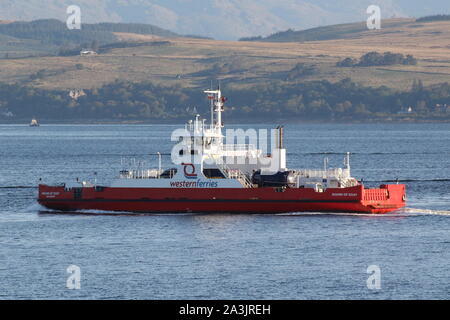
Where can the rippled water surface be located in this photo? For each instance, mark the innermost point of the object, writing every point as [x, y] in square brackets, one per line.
[295, 256]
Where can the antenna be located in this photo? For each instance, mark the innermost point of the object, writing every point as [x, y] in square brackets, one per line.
[212, 109]
[217, 102]
[159, 164]
[347, 162]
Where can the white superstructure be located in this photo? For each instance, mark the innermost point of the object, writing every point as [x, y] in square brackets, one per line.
[201, 155]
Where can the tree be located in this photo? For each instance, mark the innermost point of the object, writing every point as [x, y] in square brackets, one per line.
[410, 60]
[347, 62]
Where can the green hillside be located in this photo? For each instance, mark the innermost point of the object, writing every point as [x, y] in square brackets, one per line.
[48, 37]
[340, 31]
[370, 75]
[11, 47]
[56, 32]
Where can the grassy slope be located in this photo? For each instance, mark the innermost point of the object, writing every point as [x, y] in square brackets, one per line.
[340, 31]
[246, 63]
[14, 47]
[19, 39]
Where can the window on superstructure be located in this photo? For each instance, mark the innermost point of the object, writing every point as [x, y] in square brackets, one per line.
[213, 173]
[168, 174]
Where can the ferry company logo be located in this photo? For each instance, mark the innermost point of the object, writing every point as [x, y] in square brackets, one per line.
[195, 182]
[189, 171]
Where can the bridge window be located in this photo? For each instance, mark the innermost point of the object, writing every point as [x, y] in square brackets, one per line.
[213, 173]
[168, 174]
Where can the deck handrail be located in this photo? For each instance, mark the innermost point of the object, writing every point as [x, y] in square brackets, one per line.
[233, 173]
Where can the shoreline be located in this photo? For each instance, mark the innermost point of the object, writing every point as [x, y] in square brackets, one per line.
[230, 122]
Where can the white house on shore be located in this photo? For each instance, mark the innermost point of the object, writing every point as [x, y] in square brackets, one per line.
[408, 110]
[76, 93]
[88, 53]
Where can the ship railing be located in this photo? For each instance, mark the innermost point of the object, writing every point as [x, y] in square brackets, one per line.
[339, 174]
[239, 151]
[202, 128]
[351, 182]
[140, 174]
[240, 176]
[238, 147]
[330, 173]
[233, 173]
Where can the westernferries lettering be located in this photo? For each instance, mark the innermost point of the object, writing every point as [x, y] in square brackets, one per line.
[194, 184]
[191, 174]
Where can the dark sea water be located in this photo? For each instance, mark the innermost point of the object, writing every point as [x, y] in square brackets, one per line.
[300, 256]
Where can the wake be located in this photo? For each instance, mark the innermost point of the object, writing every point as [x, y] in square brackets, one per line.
[418, 211]
[405, 212]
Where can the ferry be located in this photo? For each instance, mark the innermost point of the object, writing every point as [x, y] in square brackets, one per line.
[210, 175]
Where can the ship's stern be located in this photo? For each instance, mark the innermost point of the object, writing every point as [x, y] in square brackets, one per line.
[385, 199]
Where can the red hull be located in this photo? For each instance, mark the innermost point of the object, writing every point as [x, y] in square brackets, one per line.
[385, 199]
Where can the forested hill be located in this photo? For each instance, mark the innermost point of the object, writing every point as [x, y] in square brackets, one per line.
[345, 31]
[55, 32]
[396, 73]
[340, 31]
[146, 102]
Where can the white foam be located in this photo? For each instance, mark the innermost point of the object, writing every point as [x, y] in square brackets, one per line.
[405, 212]
[104, 212]
[356, 214]
[418, 211]
[36, 207]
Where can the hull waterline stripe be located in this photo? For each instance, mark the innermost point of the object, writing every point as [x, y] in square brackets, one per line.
[200, 200]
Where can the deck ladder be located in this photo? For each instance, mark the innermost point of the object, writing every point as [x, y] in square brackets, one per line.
[233, 173]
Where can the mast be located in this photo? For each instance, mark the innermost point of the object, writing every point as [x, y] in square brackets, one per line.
[211, 99]
[347, 163]
[216, 108]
